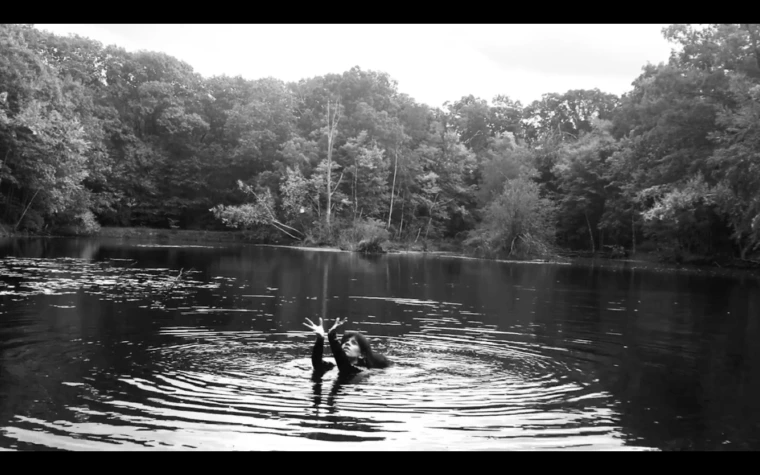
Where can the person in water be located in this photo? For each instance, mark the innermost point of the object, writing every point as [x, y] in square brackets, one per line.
[351, 354]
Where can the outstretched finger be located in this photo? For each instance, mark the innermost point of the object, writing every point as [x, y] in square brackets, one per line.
[310, 322]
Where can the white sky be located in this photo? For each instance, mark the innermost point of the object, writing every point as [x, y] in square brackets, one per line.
[432, 63]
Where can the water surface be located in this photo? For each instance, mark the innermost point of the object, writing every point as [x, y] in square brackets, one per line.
[125, 346]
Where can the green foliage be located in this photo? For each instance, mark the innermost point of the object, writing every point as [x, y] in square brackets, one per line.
[320, 234]
[737, 164]
[581, 171]
[366, 235]
[32, 222]
[621, 219]
[518, 223]
[79, 224]
[368, 175]
[88, 223]
[471, 118]
[681, 218]
[718, 47]
[248, 215]
[91, 133]
[296, 193]
[42, 139]
[566, 116]
[504, 160]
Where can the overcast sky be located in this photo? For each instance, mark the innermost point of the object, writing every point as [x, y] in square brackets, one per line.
[432, 63]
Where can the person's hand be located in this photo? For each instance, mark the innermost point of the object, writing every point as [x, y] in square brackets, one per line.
[338, 322]
[318, 329]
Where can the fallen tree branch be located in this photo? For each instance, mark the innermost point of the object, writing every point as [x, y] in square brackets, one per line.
[275, 225]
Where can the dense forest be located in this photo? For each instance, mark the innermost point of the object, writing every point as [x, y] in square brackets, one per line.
[93, 135]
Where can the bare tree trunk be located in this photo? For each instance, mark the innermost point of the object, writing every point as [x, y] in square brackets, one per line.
[401, 226]
[746, 249]
[427, 229]
[590, 232]
[27, 209]
[319, 206]
[332, 125]
[2, 165]
[329, 164]
[277, 225]
[356, 202]
[8, 199]
[393, 187]
[633, 235]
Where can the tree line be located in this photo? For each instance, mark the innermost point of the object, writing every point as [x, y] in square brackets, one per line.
[94, 135]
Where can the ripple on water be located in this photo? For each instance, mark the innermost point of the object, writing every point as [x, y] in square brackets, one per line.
[455, 384]
[220, 390]
[113, 279]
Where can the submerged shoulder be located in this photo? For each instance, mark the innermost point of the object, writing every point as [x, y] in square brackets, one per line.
[326, 366]
[351, 370]
[379, 362]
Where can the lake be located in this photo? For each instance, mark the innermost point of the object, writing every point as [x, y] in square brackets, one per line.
[118, 345]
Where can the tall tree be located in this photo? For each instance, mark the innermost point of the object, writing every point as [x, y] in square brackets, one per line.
[737, 164]
[470, 117]
[567, 115]
[582, 180]
[717, 47]
[43, 145]
[333, 117]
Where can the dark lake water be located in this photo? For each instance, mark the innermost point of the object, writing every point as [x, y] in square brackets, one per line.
[104, 345]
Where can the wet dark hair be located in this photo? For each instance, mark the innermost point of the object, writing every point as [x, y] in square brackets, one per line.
[373, 360]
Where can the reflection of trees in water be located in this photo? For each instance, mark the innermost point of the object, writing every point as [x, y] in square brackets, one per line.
[90, 249]
[36, 360]
[30, 248]
[706, 393]
[86, 340]
[675, 351]
[683, 346]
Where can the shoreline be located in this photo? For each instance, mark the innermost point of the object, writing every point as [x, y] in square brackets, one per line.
[176, 237]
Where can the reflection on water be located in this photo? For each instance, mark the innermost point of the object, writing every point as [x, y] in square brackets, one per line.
[106, 345]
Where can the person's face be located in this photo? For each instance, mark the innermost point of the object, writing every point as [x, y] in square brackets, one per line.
[351, 347]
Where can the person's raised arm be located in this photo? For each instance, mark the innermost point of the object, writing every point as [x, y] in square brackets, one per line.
[316, 353]
[340, 356]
